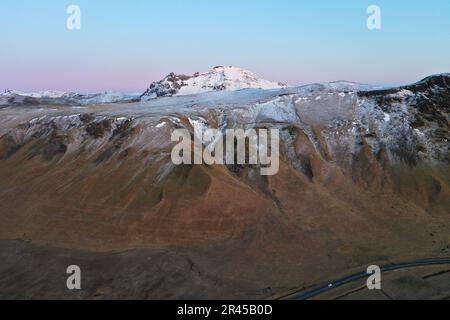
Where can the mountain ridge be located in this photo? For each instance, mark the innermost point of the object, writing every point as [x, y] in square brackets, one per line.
[216, 80]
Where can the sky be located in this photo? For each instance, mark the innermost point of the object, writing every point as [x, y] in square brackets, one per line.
[125, 45]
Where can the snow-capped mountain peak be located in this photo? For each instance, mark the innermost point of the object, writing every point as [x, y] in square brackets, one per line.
[220, 78]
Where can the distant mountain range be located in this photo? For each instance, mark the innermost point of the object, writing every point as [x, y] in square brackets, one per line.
[15, 98]
[220, 78]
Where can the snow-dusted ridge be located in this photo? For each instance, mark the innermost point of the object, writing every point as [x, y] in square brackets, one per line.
[51, 97]
[41, 94]
[409, 122]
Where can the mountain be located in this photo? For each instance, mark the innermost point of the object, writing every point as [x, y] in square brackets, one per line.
[18, 98]
[363, 180]
[218, 79]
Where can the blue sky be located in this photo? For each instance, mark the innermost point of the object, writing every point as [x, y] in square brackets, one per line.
[124, 45]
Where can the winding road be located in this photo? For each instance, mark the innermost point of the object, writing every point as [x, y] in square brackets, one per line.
[312, 293]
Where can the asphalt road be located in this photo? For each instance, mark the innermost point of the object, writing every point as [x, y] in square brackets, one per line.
[312, 293]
